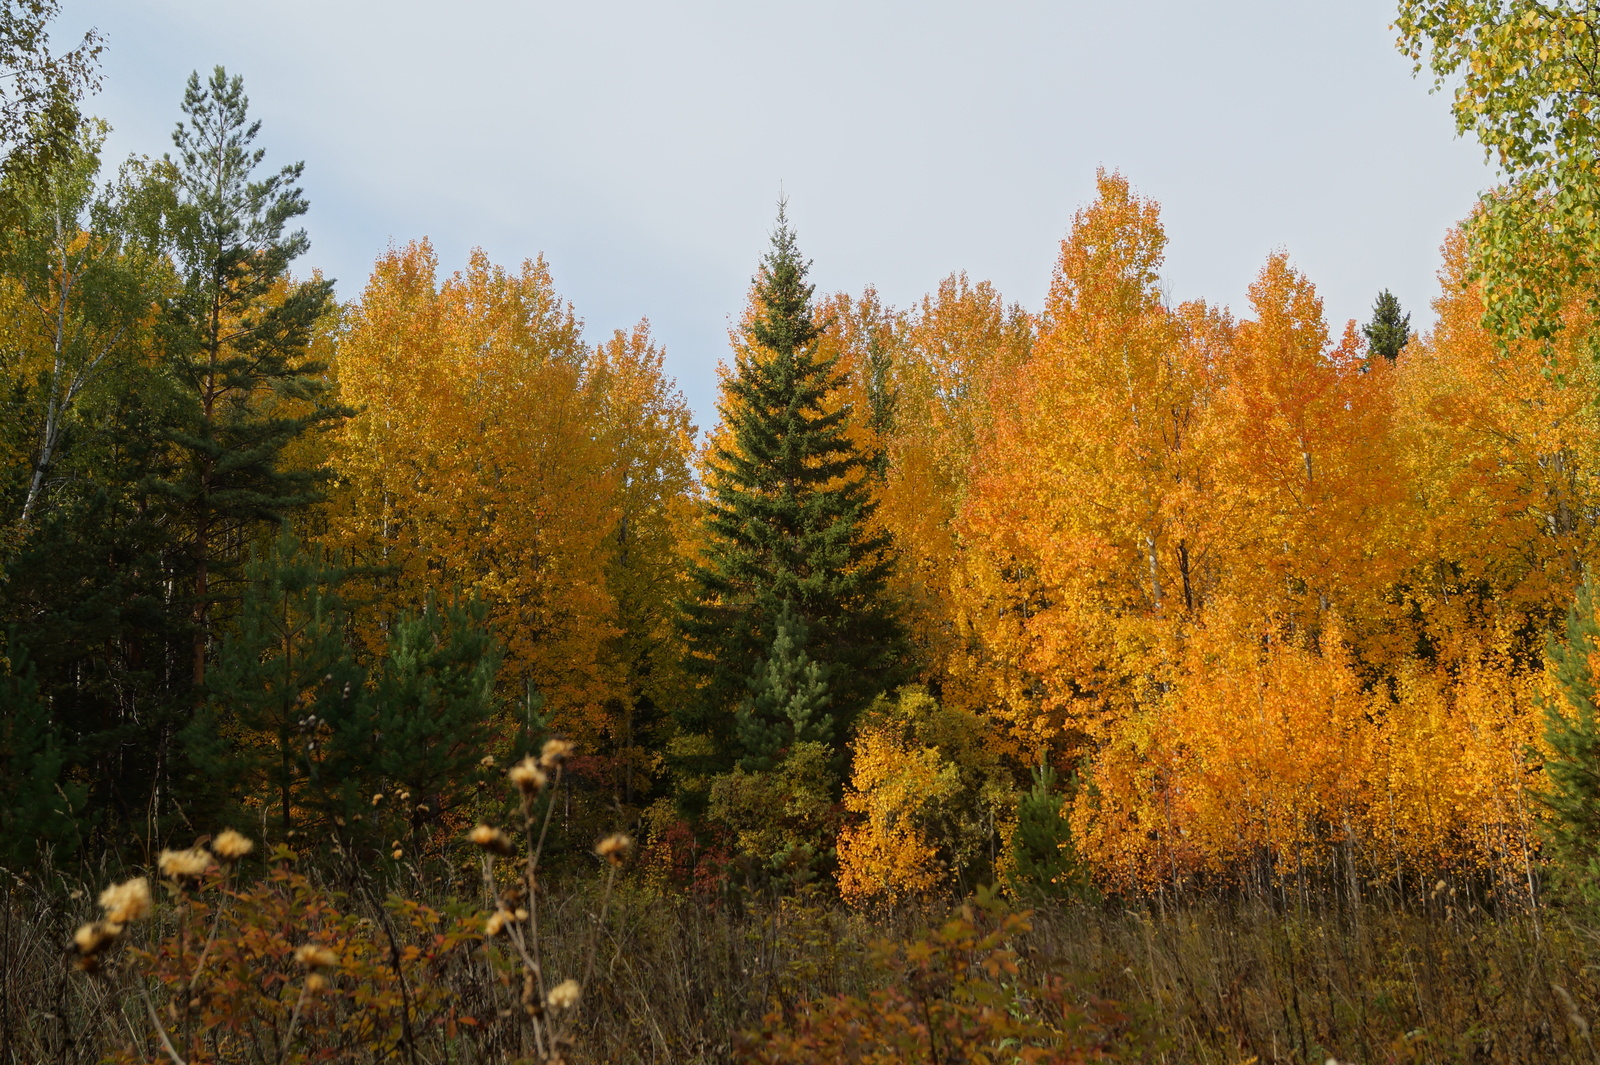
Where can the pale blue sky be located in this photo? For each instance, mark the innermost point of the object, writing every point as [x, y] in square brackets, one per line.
[640, 145]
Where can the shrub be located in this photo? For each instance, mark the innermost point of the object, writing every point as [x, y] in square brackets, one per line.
[955, 993]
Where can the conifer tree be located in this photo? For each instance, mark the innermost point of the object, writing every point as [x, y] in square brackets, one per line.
[39, 803]
[1045, 862]
[788, 698]
[787, 526]
[236, 335]
[1389, 330]
[286, 666]
[1572, 771]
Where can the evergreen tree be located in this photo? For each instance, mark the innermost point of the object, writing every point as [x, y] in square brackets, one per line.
[786, 526]
[433, 701]
[1389, 330]
[1045, 863]
[90, 555]
[788, 698]
[236, 335]
[301, 723]
[39, 805]
[1572, 772]
[284, 677]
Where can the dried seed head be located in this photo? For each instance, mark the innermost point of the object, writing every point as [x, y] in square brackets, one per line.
[487, 761]
[492, 840]
[315, 956]
[188, 864]
[527, 776]
[91, 939]
[564, 995]
[555, 752]
[230, 846]
[496, 923]
[127, 901]
[614, 848]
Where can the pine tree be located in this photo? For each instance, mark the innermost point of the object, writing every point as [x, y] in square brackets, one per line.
[787, 523]
[433, 700]
[1389, 330]
[285, 666]
[236, 334]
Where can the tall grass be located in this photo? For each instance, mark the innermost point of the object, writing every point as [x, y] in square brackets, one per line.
[677, 979]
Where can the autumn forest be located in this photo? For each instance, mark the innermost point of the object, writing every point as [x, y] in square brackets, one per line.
[410, 679]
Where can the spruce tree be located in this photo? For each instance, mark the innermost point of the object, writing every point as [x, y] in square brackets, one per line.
[237, 333]
[786, 529]
[1572, 771]
[788, 698]
[1389, 329]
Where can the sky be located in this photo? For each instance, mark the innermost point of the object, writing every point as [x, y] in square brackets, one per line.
[641, 145]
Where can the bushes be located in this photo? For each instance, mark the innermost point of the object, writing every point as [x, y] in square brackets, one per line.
[931, 799]
[954, 993]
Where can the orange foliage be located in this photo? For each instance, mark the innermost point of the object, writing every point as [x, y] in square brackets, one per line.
[496, 454]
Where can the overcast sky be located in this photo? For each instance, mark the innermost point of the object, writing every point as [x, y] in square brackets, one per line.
[640, 146]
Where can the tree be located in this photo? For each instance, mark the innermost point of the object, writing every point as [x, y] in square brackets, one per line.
[84, 284]
[285, 666]
[494, 454]
[1525, 75]
[788, 698]
[39, 804]
[236, 335]
[432, 703]
[1045, 862]
[1572, 767]
[787, 519]
[38, 102]
[1389, 331]
[304, 723]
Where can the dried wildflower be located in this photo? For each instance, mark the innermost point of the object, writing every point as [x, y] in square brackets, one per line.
[555, 752]
[127, 901]
[487, 761]
[316, 982]
[496, 923]
[230, 846]
[315, 956]
[564, 995]
[614, 848]
[188, 864]
[527, 776]
[91, 939]
[492, 840]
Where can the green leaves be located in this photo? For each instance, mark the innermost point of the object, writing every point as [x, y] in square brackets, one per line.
[1524, 78]
[787, 523]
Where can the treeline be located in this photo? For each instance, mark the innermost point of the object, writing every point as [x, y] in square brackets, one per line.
[1127, 594]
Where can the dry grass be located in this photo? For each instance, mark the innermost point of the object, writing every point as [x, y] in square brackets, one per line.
[676, 979]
